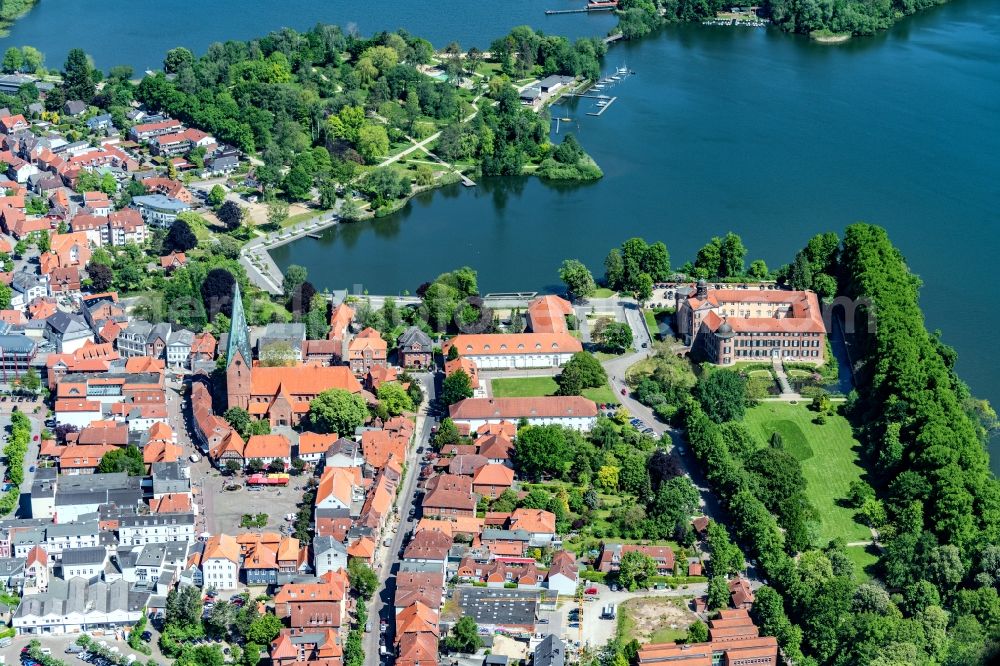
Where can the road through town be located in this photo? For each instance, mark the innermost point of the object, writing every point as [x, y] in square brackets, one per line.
[381, 607]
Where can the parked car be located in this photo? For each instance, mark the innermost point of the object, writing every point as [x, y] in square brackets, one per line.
[590, 590]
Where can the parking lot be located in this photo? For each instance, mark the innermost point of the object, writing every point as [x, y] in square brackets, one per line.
[58, 644]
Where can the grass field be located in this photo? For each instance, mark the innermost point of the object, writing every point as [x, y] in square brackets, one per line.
[526, 387]
[864, 558]
[603, 292]
[829, 458]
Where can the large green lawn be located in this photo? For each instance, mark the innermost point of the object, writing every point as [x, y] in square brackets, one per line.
[526, 387]
[829, 458]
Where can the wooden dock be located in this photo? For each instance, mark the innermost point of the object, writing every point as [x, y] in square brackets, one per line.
[585, 10]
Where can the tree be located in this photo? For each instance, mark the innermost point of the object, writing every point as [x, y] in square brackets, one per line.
[373, 141]
[294, 276]
[176, 59]
[394, 398]
[184, 606]
[614, 268]
[217, 292]
[6, 294]
[697, 632]
[216, 196]
[542, 450]
[127, 460]
[13, 60]
[231, 467]
[230, 214]
[264, 629]
[179, 238]
[277, 212]
[643, 288]
[239, 419]
[447, 433]
[78, 79]
[635, 569]
[723, 395]
[456, 386]
[801, 276]
[578, 279]
[364, 582]
[718, 593]
[464, 636]
[255, 465]
[582, 371]
[616, 337]
[337, 411]
[758, 270]
[298, 183]
[101, 276]
[33, 59]
[731, 255]
[30, 381]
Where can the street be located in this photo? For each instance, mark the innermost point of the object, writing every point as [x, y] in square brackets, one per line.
[381, 607]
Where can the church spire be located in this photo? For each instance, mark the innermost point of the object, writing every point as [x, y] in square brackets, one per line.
[239, 332]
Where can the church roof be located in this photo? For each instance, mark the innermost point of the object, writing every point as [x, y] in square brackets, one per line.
[239, 332]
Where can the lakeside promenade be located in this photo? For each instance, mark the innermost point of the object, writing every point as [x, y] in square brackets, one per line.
[256, 256]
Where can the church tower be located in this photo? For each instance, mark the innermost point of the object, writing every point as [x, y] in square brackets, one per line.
[239, 359]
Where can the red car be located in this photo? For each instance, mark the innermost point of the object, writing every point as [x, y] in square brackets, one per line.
[624, 392]
[590, 590]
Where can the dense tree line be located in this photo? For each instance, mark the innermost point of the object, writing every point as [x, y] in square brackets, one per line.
[924, 440]
[859, 17]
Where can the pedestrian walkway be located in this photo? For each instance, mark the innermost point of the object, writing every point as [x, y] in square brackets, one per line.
[786, 389]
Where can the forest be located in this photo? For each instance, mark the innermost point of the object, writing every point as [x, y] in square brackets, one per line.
[852, 17]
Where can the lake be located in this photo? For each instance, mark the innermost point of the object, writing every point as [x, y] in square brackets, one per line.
[115, 32]
[754, 131]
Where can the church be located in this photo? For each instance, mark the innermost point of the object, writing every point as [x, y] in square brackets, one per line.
[279, 394]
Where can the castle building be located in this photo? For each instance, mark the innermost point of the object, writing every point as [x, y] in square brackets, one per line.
[734, 325]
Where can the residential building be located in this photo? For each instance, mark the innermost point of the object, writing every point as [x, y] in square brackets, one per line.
[158, 210]
[67, 332]
[448, 496]
[268, 449]
[139, 530]
[328, 555]
[757, 324]
[366, 351]
[220, 562]
[611, 554]
[563, 575]
[179, 348]
[86, 563]
[568, 411]
[415, 349]
[313, 605]
[142, 338]
[314, 446]
[491, 480]
[551, 651]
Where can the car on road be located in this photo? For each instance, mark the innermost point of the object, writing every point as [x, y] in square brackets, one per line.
[147, 636]
[624, 392]
[31, 469]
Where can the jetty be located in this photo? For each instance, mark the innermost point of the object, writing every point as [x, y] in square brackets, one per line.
[598, 6]
[603, 104]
